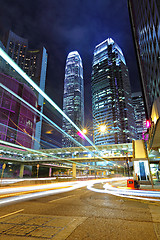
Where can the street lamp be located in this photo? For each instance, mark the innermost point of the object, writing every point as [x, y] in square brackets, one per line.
[80, 134]
[84, 131]
[102, 128]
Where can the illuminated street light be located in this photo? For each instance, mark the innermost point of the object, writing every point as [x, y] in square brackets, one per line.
[102, 128]
[84, 131]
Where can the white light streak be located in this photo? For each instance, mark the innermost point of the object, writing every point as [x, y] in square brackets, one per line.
[4, 55]
[133, 194]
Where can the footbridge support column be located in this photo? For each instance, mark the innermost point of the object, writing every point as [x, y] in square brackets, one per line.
[21, 170]
[141, 162]
[74, 170]
[50, 172]
[95, 171]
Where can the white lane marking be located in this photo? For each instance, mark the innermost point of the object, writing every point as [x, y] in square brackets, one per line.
[61, 198]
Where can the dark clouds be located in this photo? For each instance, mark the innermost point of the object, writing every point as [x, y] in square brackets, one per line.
[66, 25]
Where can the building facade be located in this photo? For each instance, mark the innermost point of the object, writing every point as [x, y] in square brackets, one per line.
[139, 112]
[145, 21]
[34, 63]
[113, 114]
[17, 121]
[73, 98]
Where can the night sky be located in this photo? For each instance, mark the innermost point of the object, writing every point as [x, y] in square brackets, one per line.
[62, 26]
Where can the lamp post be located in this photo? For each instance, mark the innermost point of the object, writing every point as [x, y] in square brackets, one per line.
[102, 128]
[84, 131]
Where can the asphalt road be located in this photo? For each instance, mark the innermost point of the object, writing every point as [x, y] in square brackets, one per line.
[81, 215]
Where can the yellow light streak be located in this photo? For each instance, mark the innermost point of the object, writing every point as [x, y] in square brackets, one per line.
[31, 191]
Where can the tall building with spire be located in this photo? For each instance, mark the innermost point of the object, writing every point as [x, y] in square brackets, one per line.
[73, 98]
[113, 114]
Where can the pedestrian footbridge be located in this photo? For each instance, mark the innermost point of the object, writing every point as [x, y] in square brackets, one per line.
[100, 157]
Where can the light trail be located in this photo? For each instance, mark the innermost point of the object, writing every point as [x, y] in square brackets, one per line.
[30, 191]
[42, 161]
[132, 194]
[38, 191]
[18, 129]
[42, 192]
[35, 187]
[45, 117]
[51, 185]
[10, 200]
[5, 56]
[53, 124]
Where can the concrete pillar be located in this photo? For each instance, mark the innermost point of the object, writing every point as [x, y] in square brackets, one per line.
[141, 162]
[95, 169]
[74, 170]
[21, 170]
[50, 172]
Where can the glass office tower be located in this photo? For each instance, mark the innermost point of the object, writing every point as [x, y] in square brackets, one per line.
[145, 21]
[34, 63]
[139, 112]
[17, 121]
[73, 98]
[113, 114]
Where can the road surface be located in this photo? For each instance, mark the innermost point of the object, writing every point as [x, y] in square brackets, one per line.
[81, 214]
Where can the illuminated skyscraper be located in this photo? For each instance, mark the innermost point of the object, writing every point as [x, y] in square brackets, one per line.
[73, 98]
[145, 21]
[34, 63]
[113, 114]
[17, 121]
